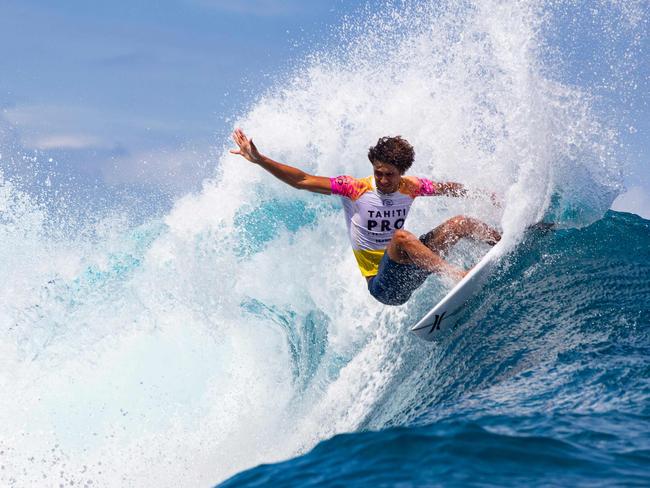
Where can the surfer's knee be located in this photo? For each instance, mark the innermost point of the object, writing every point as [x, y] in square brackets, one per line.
[459, 223]
[402, 238]
[464, 226]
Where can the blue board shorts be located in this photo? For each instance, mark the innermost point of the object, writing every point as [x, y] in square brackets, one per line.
[394, 283]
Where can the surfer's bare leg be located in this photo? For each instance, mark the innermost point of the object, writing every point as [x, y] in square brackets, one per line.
[443, 237]
[406, 248]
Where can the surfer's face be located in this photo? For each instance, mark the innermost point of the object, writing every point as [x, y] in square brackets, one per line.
[387, 177]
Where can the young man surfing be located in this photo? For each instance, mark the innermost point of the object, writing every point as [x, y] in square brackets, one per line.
[393, 261]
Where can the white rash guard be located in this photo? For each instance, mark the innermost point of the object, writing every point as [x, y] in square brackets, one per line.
[372, 217]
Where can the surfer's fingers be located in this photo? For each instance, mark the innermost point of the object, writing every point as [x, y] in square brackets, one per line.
[241, 134]
[241, 141]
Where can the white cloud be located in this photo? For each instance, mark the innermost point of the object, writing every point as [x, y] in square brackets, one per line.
[65, 141]
[124, 149]
[636, 200]
[51, 126]
[45, 116]
[57, 126]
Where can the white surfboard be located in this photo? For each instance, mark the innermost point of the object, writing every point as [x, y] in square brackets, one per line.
[443, 316]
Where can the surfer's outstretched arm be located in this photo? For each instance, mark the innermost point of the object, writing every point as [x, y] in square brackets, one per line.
[288, 174]
[450, 189]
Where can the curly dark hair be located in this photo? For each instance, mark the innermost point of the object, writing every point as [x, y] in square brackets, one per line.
[393, 150]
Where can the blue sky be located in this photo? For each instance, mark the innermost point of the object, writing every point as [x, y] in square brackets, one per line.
[105, 86]
[139, 92]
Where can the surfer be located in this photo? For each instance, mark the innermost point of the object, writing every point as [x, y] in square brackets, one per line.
[394, 261]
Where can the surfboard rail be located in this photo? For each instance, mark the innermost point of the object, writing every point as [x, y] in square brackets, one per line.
[441, 318]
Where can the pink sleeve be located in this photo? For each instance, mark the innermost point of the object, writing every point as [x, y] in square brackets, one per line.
[425, 188]
[347, 186]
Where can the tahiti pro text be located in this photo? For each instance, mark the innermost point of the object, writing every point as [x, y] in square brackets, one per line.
[386, 220]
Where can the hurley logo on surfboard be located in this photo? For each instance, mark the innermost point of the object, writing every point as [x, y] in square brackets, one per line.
[436, 322]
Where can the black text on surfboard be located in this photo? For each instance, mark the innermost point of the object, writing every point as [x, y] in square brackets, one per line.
[437, 321]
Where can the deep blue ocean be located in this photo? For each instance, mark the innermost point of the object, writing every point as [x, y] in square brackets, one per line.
[546, 382]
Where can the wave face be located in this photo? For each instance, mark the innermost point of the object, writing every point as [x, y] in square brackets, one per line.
[545, 384]
[236, 329]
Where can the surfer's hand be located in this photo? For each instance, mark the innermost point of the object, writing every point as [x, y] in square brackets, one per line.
[246, 147]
